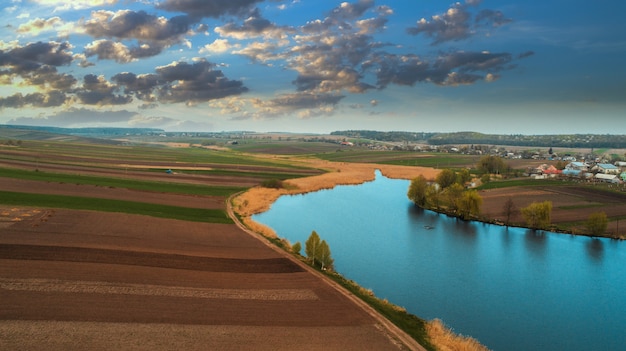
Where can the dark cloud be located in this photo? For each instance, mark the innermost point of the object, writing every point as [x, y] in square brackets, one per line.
[496, 18]
[526, 54]
[255, 25]
[348, 11]
[456, 23]
[453, 68]
[204, 8]
[96, 90]
[36, 63]
[153, 34]
[196, 82]
[308, 104]
[453, 25]
[52, 99]
[142, 86]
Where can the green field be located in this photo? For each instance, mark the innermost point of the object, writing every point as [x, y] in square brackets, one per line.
[107, 205]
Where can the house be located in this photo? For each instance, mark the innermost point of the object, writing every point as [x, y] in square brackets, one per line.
[608, 178]
[606, 168]
[577, 166]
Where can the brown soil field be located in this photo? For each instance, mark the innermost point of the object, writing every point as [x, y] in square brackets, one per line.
[569, 204]
[76, 280]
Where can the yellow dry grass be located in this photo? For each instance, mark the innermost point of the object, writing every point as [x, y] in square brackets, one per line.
[446, 340]
[259, 199]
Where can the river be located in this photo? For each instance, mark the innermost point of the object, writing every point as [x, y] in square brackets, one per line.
[512, 289]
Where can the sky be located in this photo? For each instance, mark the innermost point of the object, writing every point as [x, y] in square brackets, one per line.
[316, 66]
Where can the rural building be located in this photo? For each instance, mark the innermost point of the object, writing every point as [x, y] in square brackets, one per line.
[608, 178]
[577, 166]
[606, 168]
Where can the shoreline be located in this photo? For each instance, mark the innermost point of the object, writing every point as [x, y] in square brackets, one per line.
[259, 199]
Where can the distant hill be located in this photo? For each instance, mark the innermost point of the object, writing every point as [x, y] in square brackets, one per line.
[92, 132]
[555, 140]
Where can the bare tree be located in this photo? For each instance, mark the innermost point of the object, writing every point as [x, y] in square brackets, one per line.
[509, 210]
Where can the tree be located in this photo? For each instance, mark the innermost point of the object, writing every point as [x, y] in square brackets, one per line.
[463, 176]
[509, 210]
[453, 195]
[311, 246]
[418, 190]
[433, 196]
[491, 164]
[323, 256]
[296, 248]
[445, 178]
[538, 214]
[469, 204]
[597, 223]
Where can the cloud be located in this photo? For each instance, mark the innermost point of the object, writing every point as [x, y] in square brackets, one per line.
[218, 46]
[456, 23]
[304, 104]
[64, 5]
[449, 69]
[77, 117]
[39, 25]
[204, 8]
[453, 25]
[52, 99]
[109, 50]
[36, 64]
[496, 18]
[96, 90]
[196, 82]
[153, 34]
[349, 11]
[253, 26]
[526, 54]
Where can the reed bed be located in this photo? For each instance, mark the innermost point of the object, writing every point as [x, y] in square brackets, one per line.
[446, 340]
[259, 199]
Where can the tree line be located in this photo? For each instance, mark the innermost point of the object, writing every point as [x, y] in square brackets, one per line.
[449, 193]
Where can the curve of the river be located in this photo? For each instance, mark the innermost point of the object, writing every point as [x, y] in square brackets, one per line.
[512, 289]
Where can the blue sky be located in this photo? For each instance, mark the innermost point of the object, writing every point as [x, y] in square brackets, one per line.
[509, 67]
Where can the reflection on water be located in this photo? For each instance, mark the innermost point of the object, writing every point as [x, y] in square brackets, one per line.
[595, 249]
[512, 288]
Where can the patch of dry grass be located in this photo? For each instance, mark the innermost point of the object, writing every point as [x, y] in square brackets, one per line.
[259, 199]
[446, 340]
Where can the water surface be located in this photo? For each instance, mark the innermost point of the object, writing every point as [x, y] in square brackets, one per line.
[513, 289]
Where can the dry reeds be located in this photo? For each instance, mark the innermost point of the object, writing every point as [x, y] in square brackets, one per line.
[259, 199]
[446, 340]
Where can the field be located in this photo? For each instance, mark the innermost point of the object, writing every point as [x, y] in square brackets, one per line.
[571, 205]
[100, 248]
[129, 244]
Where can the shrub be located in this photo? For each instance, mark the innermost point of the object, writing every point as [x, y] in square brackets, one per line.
[272, 183]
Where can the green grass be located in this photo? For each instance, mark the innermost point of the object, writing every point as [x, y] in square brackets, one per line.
[107, 205]
[409, 323]
[164, 186]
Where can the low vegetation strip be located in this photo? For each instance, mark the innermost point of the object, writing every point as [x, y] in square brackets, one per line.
[95, 287]
[108, 205]
[121, 183]
[148, 259]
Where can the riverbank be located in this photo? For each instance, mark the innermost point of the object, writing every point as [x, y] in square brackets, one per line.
[259, 199]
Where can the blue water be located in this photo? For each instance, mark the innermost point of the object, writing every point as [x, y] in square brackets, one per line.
[512, 289]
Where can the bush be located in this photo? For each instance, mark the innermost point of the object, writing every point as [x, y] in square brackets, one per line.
[272, 183]
[597, 223]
